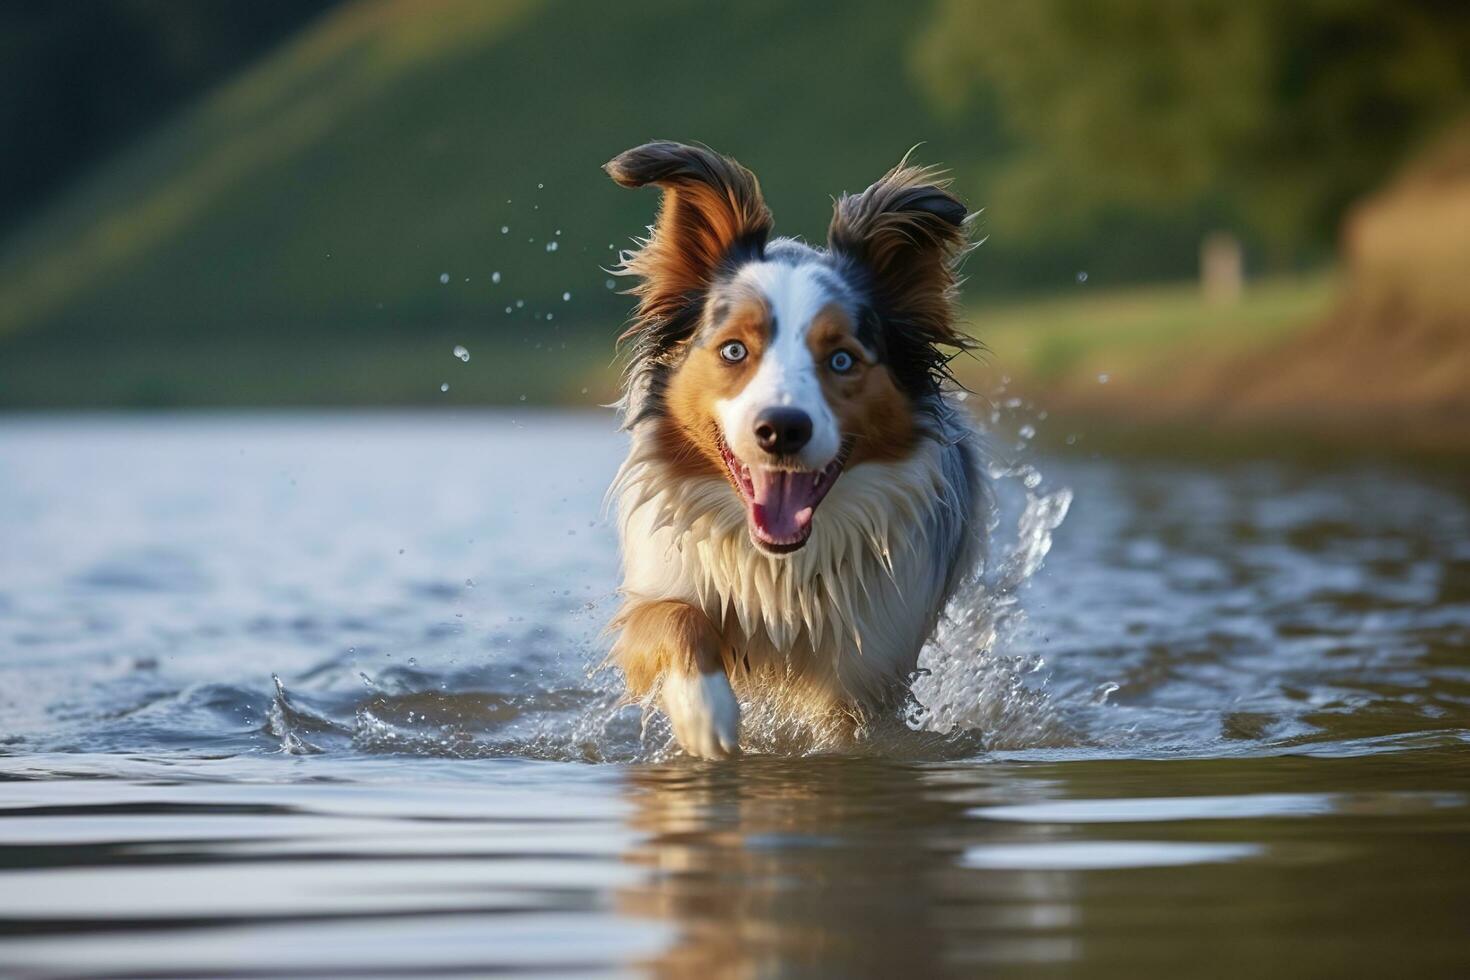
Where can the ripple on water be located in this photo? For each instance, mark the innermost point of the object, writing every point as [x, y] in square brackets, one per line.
[1229, 610]
[1095, 855]
[255, 716]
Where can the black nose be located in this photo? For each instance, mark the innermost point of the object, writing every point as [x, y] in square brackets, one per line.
[783, 430]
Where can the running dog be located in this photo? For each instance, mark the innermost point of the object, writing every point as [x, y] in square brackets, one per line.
[801, 497]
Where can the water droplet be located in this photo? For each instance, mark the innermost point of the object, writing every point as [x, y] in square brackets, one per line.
[443, 278]
[1082, 277]
[444, 386]
[507, 309]
[1028, 432]
[495, 278]
[566, 297]
[558, 233]
[540, 186]
[505, 229]
[548, 316]
[551, 246]
[461, 352]
[413, 662]
[523, 398]
[584, 391]
[1102, 379]
[610, 284]
[520, 303]
[469, 583]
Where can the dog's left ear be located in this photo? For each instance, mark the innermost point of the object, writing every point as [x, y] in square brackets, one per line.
[906, 236]
[712, 210]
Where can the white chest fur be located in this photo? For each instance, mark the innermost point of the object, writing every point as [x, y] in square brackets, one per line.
[849, 612]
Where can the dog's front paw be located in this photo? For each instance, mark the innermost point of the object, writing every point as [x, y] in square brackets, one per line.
[704, 713]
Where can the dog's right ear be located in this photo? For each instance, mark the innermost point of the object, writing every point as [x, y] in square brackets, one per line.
[712, 211]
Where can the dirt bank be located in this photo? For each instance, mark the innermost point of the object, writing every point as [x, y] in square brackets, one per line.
[1387, 364]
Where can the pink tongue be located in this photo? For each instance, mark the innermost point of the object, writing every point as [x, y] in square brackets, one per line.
[782, 508]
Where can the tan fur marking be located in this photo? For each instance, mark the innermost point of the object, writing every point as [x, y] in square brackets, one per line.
[690, 433]
[871, 410]
[709, 203]
[655, 637]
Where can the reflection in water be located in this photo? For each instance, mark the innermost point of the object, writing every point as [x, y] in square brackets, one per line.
[864, 867]
[852, 866]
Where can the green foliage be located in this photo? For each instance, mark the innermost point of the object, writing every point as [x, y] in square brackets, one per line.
[1278, 112]
[327, 189]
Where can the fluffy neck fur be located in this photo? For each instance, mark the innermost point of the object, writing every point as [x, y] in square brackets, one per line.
[889, 543]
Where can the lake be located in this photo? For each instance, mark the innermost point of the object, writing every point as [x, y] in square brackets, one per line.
[316, 694]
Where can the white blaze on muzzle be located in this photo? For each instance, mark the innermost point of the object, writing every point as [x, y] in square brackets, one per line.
[787, 375]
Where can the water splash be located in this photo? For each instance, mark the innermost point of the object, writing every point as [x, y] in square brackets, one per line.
[288, 723]
[975, 680]
[977, 683]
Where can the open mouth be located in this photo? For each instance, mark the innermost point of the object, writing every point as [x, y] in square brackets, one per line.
[779, 503]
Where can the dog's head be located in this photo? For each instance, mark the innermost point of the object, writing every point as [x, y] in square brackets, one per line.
[777, 364]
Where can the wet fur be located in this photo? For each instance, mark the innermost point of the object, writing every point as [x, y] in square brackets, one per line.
[831, 631]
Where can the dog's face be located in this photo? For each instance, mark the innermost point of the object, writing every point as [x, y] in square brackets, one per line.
[778, 366]
[779, 390]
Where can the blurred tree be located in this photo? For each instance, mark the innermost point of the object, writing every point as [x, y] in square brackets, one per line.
[1281, 113]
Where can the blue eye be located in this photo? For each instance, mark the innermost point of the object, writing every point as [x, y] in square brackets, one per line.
[841, 362]
[734, 352]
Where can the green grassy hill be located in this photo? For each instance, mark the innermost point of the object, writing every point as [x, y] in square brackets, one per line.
[284, 241]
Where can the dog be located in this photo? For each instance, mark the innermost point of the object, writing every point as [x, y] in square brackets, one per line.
[801, 496]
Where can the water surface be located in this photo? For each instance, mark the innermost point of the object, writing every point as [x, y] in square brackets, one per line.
[313, 695]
